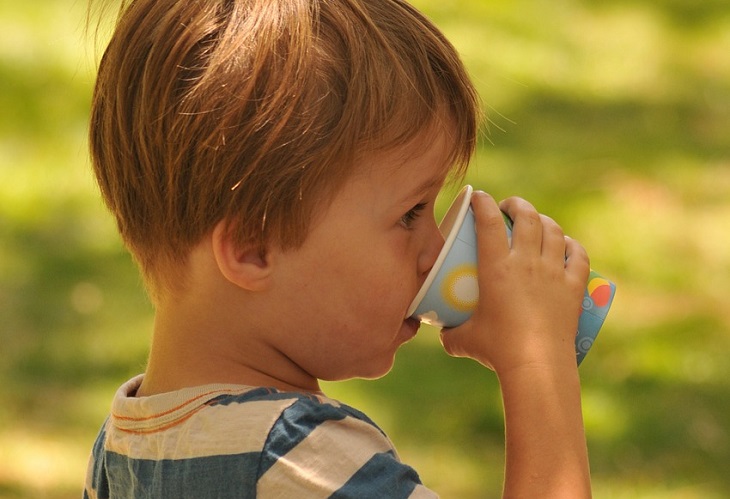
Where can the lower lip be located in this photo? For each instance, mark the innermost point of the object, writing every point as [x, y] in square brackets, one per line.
[412, 325]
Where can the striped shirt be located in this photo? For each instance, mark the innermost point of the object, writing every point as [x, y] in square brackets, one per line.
[232, 441]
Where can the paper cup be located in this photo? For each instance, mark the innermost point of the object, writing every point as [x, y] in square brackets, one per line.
[449, 295]
[450, 292]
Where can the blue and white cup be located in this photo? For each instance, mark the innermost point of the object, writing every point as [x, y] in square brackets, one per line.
[450, 292]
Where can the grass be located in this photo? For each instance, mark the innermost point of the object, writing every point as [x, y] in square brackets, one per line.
[609, 116]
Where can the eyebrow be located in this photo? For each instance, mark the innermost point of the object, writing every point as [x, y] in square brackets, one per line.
[426, 185]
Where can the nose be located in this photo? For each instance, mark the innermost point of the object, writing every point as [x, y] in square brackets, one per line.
[433, 242]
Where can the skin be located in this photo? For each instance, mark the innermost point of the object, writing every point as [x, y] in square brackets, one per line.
[334, 309]
[524, 329]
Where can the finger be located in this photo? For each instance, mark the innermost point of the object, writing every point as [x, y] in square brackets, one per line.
[491, 233]
[577, 262]
[526, 225]
[553, 241]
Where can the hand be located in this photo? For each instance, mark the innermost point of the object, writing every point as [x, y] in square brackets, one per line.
[524, 328]
[529, 293]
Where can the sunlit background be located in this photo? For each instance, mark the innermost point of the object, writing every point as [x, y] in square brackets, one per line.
[611, 116]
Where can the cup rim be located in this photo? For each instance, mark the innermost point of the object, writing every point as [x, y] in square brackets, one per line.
[460, 206]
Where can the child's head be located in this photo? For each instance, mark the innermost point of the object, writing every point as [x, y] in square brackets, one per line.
[254, 112]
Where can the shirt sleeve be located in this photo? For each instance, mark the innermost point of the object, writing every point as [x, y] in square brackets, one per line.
[317, 450]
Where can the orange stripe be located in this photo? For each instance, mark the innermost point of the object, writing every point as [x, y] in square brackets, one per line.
[174, 409]
[161, 428]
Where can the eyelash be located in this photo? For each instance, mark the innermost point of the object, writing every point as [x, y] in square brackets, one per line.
[412, 215]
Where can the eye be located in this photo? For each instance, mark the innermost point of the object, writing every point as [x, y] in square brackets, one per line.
[412, 215]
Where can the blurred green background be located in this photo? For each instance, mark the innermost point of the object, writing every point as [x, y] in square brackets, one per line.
[611, 116]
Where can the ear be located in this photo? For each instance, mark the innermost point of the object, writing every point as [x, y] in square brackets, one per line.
[243, 266]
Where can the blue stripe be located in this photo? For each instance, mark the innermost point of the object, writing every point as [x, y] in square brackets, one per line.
[99, 481]
[294, 425]
[195, 478]
[382, 476]
[257, 395]
[362, 417]
[260, 394]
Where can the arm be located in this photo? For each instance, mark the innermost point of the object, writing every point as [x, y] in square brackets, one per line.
[524, 329]
[546, 452]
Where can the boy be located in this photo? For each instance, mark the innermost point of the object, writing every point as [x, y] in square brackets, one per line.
[273, 166]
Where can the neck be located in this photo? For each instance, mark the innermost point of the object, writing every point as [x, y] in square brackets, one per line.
[198, 340]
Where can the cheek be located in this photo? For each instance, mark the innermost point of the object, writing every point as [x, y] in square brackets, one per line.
[370, 276]
[384, 274]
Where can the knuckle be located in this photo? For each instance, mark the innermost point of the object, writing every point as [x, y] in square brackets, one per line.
[491, 221]
[528, 216]
[551, 226]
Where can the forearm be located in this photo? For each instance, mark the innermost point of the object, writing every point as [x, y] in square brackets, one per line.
[530, 290]
[546, 454]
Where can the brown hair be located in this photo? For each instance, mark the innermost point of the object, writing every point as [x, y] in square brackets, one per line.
[253, 111]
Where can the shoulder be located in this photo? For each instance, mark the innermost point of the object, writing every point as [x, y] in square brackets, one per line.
[314, 423]
[319, 447]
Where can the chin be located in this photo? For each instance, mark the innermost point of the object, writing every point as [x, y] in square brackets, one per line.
[371, 370]
[376, 375]
[378, 371]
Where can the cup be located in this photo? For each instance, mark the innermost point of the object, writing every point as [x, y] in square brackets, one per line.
[450, 292]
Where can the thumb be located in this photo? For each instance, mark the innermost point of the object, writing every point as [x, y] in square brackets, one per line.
[465, 341]
[455, 339]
